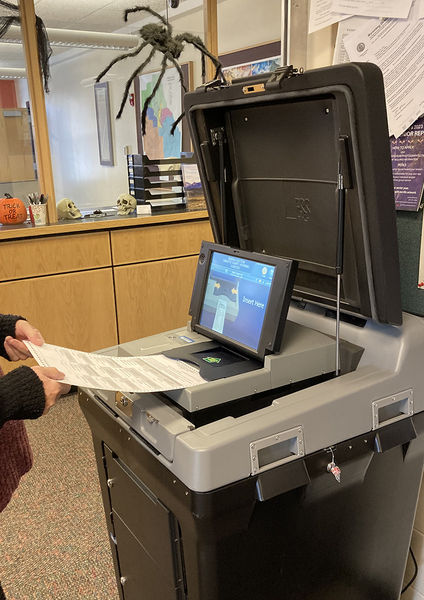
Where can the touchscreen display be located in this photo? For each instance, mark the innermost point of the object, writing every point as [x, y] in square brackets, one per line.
[236, 298]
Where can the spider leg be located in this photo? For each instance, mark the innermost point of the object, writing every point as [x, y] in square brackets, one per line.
[6, 22]
[151, 12]
[9, 5]
[180, 72]
[175, 123]
[131, 79]
[197, 43]
[150, 98]
[121, 57]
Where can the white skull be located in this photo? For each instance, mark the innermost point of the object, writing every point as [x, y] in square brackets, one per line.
[126, 204]
[66, 209]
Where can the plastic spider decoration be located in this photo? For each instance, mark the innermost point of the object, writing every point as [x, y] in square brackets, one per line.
[159, 37]
[9, 15]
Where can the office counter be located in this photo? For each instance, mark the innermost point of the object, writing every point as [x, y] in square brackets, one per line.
[92, 283]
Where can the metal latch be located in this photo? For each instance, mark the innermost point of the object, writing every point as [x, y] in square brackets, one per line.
[124, 404]
[254, 88]
[278, 76]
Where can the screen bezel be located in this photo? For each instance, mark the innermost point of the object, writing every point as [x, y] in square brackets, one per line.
[278, 300]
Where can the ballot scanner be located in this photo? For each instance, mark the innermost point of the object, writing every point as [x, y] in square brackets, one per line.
[293, 472]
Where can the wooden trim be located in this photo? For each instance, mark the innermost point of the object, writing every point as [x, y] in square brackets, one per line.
[210, 21]
[38, 107]
[10, 232]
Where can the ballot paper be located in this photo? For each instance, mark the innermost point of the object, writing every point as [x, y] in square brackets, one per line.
[397, 47]
[153, 373]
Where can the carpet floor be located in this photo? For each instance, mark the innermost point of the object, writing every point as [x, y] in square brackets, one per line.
[53, 538]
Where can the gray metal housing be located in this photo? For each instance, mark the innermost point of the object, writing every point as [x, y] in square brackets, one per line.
[220, 453]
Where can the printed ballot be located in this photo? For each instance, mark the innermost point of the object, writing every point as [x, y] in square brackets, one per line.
[153, 373]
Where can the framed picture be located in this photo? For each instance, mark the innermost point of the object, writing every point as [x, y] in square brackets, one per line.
[104, 127]
[165, 108]
[251, 61]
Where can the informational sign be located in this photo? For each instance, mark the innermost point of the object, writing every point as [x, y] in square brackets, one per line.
[408, 167]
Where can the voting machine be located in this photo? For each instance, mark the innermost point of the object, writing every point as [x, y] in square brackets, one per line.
[294, 471]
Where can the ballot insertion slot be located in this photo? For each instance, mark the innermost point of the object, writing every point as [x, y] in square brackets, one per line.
[277, 449]
[393, 408]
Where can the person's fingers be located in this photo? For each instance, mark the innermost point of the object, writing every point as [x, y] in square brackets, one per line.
[15, 349]
[50, 372]
[26, 331]
[65, 388]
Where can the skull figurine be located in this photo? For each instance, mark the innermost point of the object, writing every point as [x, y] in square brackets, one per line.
[66, 209]
[126, 204]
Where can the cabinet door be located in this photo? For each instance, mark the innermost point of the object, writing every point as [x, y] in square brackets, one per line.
[153, 297]
[76, 310]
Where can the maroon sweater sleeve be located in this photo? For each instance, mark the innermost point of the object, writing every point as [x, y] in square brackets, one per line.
[21, 395]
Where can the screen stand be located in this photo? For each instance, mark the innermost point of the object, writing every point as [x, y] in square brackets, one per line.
[214, 360]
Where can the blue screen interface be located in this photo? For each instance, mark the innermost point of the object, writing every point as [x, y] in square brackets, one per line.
[236, 298]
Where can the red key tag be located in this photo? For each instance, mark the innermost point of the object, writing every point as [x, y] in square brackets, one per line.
[335, 470]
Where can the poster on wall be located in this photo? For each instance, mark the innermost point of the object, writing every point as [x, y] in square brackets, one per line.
[255, 67]
[251, 61]
[165, 107]
[408, 167]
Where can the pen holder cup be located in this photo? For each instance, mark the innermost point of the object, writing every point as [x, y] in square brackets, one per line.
[38, 214]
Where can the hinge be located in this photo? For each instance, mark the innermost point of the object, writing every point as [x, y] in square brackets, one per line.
[278, 76]
[217, 135]
[212, 85]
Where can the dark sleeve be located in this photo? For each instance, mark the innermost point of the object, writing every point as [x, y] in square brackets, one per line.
[21, 395]
[7, 327]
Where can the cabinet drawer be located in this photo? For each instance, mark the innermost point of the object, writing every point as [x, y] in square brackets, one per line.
[158, 241]
[56, 254]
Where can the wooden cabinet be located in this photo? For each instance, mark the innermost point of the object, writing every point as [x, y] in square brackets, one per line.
[154, 271]
[76, 310]
[153, 297]
[90, 289]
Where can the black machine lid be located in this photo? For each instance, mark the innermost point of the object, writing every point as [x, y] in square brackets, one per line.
[272, 152]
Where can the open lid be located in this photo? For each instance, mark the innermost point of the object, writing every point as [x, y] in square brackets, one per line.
[270, 152]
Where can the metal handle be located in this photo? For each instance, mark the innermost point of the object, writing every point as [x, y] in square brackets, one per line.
[276, 449]
[392, 408]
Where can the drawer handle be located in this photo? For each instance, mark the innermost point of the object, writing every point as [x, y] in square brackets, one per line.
[110, 483]
[124, 580]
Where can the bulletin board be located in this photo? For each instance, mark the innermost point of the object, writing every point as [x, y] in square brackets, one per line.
[409, 226]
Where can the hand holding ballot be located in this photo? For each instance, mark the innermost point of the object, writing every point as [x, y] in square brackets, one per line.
[152, 373]
[53, 388]
[14, 346]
